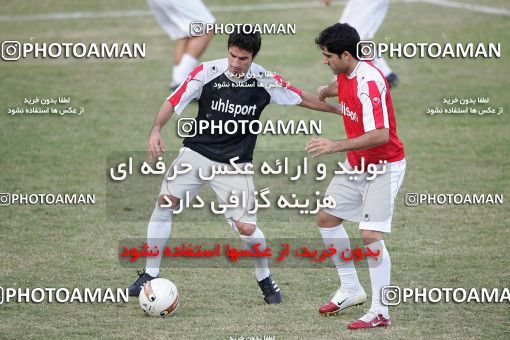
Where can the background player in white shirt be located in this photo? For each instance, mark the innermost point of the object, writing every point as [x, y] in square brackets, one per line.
[176, 17]
[258, 89]
[366, 16]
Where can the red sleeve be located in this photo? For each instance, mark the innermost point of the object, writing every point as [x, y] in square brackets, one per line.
[282, 82]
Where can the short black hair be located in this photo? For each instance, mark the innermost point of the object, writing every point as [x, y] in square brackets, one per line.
[339, 38]
[248, 42]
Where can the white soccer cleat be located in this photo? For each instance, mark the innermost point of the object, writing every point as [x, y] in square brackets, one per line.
[342, 299]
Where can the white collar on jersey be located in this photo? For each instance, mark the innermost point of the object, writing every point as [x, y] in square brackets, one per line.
[353, 73]
[230, 76]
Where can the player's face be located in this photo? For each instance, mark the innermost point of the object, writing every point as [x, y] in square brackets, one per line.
[239, 61]
[337, 64]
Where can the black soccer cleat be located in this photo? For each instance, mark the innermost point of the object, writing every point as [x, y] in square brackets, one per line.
[270, 290]
[393, 80]
[136, 287]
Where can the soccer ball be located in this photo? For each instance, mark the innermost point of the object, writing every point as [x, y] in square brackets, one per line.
[159, 297]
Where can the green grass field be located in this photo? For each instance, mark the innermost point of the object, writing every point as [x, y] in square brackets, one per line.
[76, 246]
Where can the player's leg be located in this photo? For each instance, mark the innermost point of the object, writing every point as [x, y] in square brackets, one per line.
[194, 50]
[160, 223]
[251, 236]
[158, 232]
[165, 13]
[180, 48]
[178, 73]
[194, 47]
[176, 17]
[244, 223]
[380, 271]
[366, 16]
[381, 64]
[189, 13]
[379, 197]
[347, 199]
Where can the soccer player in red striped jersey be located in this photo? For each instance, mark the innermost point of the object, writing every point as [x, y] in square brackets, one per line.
[372, 143]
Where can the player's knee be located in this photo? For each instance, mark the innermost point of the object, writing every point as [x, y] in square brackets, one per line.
[325, 220]
[371, 236]
[168, 201]
[160, 214]
[245, 229]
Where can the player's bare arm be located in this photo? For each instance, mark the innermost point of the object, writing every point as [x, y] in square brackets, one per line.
[314, 103]
[328, 91]
[321, 146]
[155, 145]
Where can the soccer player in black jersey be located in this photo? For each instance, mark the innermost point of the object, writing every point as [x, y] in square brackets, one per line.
[229, 89]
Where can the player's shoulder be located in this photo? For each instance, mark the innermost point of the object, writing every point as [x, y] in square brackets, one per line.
[264, 75]
[368, 72]
[260, 73]
[212, 69]
[257, 69]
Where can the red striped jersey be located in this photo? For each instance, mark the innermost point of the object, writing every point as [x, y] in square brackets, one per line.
[365, 104]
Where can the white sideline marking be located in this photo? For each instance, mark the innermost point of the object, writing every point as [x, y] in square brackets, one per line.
[243, 8]
[470, 7]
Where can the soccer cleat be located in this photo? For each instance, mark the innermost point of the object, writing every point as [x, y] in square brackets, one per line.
[370, 320]
[343, 299]
[136, 287]
[270, 290]
[392, 80]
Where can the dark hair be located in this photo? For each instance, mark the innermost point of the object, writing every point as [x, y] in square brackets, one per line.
[339, 38]
[248, 42]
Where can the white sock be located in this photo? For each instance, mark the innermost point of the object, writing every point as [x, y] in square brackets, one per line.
[181, 71]
[176, 70]
[261, 263]
[158, 233]
[381, 64]
[338, 237]
[380, 270]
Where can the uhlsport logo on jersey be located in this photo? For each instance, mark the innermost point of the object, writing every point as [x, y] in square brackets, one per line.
[235, 109]
[346, 111]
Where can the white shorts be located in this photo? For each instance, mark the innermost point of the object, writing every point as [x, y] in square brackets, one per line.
[365, 16]
[370, 203]
[176, 16]
[223, 185]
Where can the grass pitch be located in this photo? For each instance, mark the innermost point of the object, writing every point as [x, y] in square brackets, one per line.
[76, 246]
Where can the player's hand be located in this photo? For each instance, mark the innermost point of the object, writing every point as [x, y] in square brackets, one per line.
[322, 91]
[326, 2]
[321, 146]
[155, 146]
